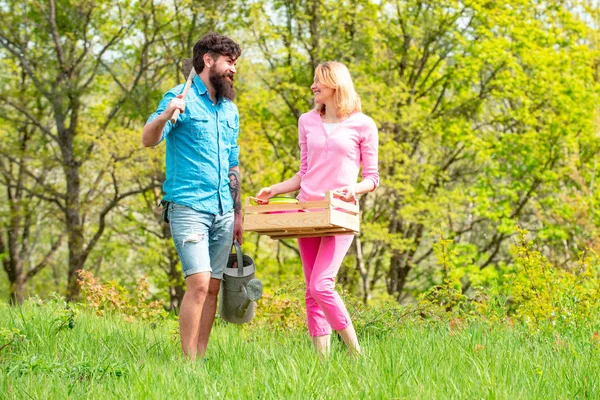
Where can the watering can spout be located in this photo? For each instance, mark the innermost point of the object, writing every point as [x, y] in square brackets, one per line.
[252, 292]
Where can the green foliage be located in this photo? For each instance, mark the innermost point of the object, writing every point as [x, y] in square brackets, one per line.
[487, 113]
[281, 311]
[543, 294]
[448, 294]
[532, 291]
[9, 337]
[113, 298]
[107, 357]
[284, 311]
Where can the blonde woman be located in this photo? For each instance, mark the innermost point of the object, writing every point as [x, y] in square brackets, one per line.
[335, 139]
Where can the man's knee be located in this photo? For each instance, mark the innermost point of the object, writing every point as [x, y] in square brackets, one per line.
[213, 287]
[197, 286]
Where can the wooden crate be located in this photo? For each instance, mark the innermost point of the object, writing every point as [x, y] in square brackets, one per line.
[328, 217]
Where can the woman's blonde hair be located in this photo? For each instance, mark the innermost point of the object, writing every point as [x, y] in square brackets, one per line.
[335, 75]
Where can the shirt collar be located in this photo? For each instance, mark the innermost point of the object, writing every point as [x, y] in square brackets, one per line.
[200, 86]
[202, 90]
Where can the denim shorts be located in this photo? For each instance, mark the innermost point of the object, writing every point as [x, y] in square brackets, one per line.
[203, 241]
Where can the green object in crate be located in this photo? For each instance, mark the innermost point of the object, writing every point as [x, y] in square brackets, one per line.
[283, 200]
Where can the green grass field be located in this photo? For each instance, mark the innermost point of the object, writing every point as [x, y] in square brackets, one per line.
[106, 357]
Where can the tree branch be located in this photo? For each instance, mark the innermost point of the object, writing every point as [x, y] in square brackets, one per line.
[29, 116]
[56, 38]
[102, 217]
[31, 273]
[39, 180]
[19, 52]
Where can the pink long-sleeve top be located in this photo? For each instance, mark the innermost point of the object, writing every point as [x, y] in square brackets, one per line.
[331, 161]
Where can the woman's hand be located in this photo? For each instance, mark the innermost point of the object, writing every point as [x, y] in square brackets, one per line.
[264, 195]
[347, 193]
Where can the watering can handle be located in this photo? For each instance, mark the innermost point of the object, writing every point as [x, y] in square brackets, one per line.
[240, 258]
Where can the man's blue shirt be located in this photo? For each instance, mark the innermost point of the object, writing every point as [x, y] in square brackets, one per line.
[201, 147]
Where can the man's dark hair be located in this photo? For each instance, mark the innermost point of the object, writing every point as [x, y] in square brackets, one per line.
[215, 45]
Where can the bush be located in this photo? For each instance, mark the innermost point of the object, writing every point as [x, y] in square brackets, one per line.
[541, 293]
[531, 291]
[113, 298]
[283, 310]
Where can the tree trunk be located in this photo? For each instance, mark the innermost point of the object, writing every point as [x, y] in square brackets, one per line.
[176, 280]
[362, 269]
[17, 289]
[315, 17]
[72, 210]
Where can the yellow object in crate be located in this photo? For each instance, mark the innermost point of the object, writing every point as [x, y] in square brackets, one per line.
[285, 219]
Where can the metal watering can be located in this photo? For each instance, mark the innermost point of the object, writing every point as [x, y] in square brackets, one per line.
[239, 289]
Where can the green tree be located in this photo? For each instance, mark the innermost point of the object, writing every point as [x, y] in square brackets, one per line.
[67, 51]
[481, 108]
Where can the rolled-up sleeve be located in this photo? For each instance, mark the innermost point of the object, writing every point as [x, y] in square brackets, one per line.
[235, 148]
[303, 149]
[162, 106]
[369, 147]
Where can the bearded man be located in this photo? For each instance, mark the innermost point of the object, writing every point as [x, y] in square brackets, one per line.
[204, 208]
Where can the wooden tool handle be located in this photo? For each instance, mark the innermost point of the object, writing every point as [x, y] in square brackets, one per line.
[186, 89]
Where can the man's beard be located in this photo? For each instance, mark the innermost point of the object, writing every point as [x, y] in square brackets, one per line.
[223, 87]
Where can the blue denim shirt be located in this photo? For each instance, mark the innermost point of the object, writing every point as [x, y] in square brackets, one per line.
[201, 147]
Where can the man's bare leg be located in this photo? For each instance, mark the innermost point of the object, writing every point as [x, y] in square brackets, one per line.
[208, 315]
[197, 288]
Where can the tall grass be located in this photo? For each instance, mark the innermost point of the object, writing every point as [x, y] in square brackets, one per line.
[45, 357]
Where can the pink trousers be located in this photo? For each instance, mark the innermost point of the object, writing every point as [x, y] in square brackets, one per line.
[321, 260]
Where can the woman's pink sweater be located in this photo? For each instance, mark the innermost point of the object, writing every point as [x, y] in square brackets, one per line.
[329, 162]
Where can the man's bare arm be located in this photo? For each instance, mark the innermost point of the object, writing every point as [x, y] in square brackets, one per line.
[235, 186]
[235, 181]
[153, 130]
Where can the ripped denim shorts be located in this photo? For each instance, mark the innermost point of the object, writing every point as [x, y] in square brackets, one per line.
[203, 241]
